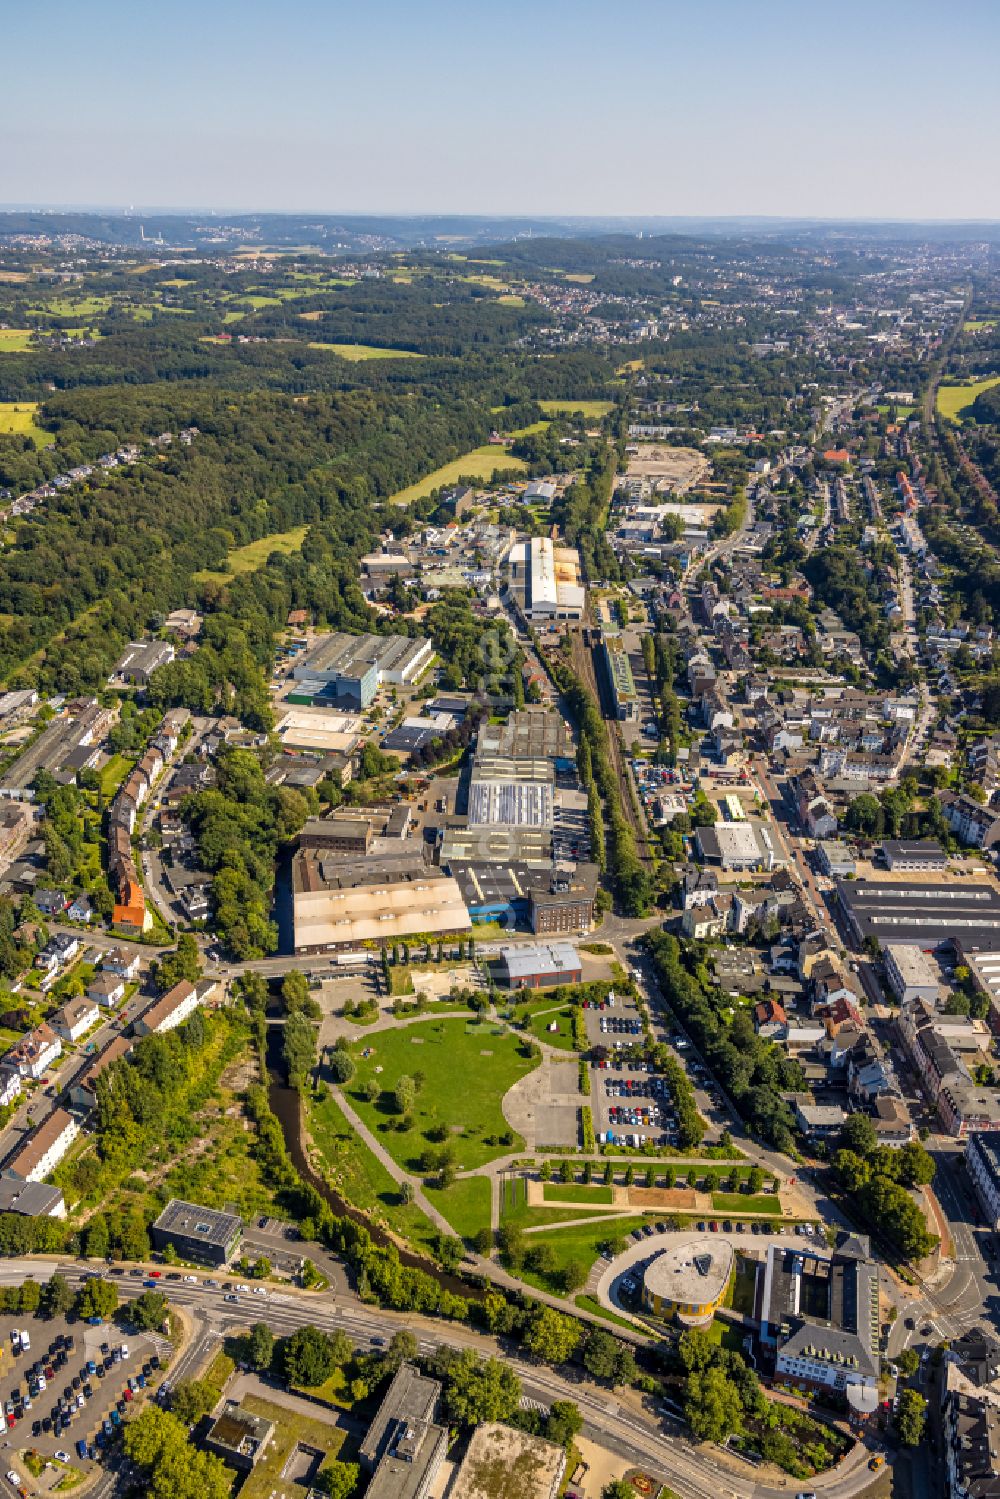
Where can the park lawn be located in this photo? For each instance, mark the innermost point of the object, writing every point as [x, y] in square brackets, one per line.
[480, 464]
[467, 1070]
[114, 773]
[972, 324]
[248, 558]
[511, 299]
[360, 1177]
[556, 1192]
[561, 1038]
[514, 1207]
[291, 1429]
[736, 1202]
[19, 417]
[953, 400]
[15, 340]
[902, 412]
[577, 408]
[591, 1304]
[357, 352]
[578, 1242]
[465, 1204]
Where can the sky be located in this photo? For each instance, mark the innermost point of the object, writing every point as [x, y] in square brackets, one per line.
[873, 109]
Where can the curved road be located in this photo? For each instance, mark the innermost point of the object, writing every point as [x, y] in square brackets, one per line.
[627, 1426]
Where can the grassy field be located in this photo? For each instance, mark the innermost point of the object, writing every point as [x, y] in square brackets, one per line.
[557, 1192]
[480, 463]
[361, 1178]
[466, 1071]
[952, 400]
[291, 1429]
[73, 306]
[539, 1023]
[902, 412]
[973, 324]
[744, 1288]
[247, 559]
[591, 1304]
[581, 1243]
[514, 1207]
[736, 1202]
[577, 408]
[19, 417]
[511, 299]
[114, 773]
[14, 340]
[465, 1204]
[356, 352]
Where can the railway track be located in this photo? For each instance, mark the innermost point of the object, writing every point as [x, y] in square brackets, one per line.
[583, 665]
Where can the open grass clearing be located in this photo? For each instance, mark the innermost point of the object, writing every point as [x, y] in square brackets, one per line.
[954, 401]
[355, 353]
[595, 409]
[736, 1202]
[480, 465]
[558, 1192]
[360, 1177]
[465, 1071]
[973, 324]
[247, 559]
[465, 1204]
[592, 1305]
[514, 1207]
[562, 1018]
[511, 299]
[577, 1242]
[15, 340]
[19, 417]
[74, 306]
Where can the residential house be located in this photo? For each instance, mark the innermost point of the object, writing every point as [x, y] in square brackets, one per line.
[35, 1052]
[770, 1021]
[106, 989]
[40, 1153]
[75, 1019]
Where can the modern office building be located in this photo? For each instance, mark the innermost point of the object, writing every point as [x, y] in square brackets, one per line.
[821, 1315]
[618, 676]
[405, 1446]
[198, 1233]
[351, 668]
[689, 1280]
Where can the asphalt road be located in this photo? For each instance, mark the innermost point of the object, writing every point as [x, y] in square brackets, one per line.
[633, 1430]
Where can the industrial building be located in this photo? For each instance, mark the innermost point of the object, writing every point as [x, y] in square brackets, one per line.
[922, 855]
[688, 1281]
[966, 912]
[197, 1233]
[551, 579]
[547, 900]
[540, 965]
[495, 844]
[340, 903]
[527, 804]
[618, 675]
[345, 835]
[738, 845]
[351, 668]
[530, 733]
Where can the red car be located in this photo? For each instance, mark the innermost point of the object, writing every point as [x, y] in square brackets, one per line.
[155, 1274]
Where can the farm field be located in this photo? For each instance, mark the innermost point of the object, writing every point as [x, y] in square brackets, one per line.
[953, 399]
[466, 1069]
[480, 464]
[356, 352]
[14, 340]
[19, 417]
[73, 307]
[572, 408]
[245, 559]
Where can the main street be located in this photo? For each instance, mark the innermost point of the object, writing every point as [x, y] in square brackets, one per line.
[627, 1425]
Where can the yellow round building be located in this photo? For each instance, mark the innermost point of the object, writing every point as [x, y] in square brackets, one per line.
[689, 1280]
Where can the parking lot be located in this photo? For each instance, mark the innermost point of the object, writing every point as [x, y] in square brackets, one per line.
[630, 1103]
[68, 1383]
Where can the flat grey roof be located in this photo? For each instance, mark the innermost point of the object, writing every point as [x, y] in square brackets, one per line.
[206, 1224]
[928, 914]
